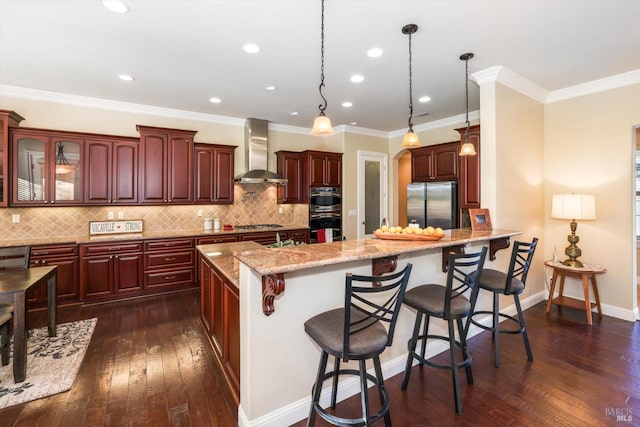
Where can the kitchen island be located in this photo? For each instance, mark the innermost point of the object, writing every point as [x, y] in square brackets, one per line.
[278, 289]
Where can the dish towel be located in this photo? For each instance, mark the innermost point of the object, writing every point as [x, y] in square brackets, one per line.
[321, 236]
[328, 235]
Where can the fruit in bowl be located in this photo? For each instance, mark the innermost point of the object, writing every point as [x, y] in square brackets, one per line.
[408, 233]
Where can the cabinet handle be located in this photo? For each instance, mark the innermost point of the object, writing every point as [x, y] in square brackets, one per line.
[170, 259]
[169, 277]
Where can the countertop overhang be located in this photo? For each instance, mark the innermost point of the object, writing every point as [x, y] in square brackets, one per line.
[266, 261]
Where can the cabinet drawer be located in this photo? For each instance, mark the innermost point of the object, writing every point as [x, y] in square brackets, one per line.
[169, 278]
[216, 239]
[299, 234]
[157, 260]
[114, 247]
[263, 238]
[56, 251]
[157, 245]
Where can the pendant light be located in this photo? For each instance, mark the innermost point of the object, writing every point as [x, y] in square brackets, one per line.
[410, 139]
[322, 124]
[467, 148]
[62, 164]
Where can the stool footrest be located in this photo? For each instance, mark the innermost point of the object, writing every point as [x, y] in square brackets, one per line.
[490, 328]
[335, 420]
[463, 363]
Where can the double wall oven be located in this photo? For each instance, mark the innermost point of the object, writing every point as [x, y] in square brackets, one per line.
[325, 214]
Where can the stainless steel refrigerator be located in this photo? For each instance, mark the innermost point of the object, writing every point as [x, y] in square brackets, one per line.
[433, 204]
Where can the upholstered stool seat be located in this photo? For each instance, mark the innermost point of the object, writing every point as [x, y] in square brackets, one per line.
[357, 332]
[512, 282]
[447, 303]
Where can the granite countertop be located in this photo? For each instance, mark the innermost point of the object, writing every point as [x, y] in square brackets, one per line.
[197, 232]
[281, 260]
[221, 255]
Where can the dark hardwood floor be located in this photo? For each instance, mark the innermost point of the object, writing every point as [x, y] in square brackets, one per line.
[150, 364]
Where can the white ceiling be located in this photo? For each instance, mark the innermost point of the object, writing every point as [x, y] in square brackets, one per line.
[182, 52]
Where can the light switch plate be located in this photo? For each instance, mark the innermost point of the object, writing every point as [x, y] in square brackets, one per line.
[15, 218]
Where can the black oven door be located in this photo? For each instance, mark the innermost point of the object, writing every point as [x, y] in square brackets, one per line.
[324, 199]
[325, 221]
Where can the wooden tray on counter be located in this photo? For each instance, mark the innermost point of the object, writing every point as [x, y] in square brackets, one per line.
[400, 236]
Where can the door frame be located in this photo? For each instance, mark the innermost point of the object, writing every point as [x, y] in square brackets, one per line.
[381, 158]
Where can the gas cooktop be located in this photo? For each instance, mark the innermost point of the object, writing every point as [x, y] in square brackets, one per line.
[257, 226]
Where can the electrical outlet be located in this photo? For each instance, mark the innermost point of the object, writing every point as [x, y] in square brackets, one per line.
[280, 210]
[15, 218]
[199, 212]
[120, 215]
[110, 215]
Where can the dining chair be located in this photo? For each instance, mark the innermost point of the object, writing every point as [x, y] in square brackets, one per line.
[357, 332]
[11, 258]
[5, 319]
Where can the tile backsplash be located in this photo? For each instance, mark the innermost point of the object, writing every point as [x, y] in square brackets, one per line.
[254, 204]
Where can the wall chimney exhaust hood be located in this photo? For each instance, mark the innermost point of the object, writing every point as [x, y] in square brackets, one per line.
[256, 155]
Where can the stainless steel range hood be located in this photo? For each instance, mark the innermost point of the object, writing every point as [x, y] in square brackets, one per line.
[256, 155]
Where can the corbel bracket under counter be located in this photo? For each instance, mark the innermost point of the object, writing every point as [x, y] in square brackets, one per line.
[272, 285]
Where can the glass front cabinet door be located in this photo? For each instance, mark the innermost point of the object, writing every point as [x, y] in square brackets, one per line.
[47, 169]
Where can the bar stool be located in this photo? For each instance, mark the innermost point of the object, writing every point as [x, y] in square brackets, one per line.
[357, 332]
[448, 303]
[510, 283]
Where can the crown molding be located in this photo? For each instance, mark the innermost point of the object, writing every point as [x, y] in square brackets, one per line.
[511, 79]
[452, 121]
[600, 85]
[84, 101]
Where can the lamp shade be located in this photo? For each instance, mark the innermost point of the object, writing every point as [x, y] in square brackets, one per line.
[573, 206]
[467, 149]
[322, 126]
[410, 140]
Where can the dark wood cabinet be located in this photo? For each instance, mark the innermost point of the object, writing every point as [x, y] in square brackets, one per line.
[214, 166]
[324, 169]
[290, 166]
[111, 172]
[46, 168]
[220, 313]
[166, 165]
[169, 264]
[435, 162]
[65, 257]
[7, 119]
[469, 182]
[111, 269]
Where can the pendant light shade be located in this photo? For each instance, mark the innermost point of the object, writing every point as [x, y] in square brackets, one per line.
[467, 148]
[410, 140]
[322, 124]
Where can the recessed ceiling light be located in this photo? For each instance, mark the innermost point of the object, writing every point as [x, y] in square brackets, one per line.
[115, 6]
[215, 100]
[251, 48]
[347, 104]
[424, 98]
[269, 87]
[353, 123]
[294, 113]
[357, 78]
[126, 77]
[374, 52]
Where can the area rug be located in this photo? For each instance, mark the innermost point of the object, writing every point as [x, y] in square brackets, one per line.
[52, 363]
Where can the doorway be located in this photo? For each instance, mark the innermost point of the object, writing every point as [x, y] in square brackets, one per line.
[372, 192]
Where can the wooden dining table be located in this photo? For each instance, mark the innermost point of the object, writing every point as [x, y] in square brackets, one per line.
[16, 283]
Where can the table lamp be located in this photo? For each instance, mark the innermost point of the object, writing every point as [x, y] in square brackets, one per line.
[573, 207]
